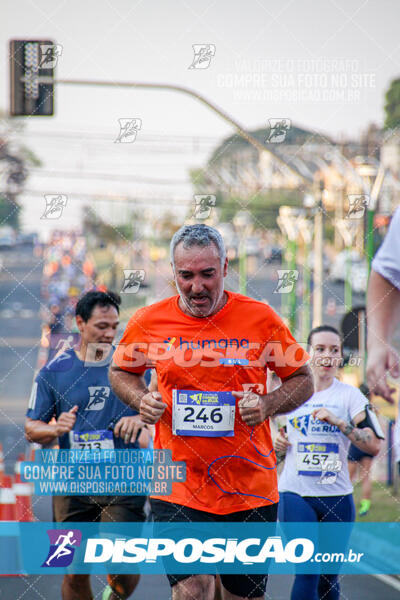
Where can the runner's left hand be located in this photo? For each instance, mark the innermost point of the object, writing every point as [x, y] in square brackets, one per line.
[251, 408]
[323, 414]
[128, 428]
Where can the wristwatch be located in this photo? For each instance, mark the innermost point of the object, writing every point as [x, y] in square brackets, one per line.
[348, 429]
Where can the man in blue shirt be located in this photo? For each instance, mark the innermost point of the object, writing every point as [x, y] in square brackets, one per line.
[74, 388]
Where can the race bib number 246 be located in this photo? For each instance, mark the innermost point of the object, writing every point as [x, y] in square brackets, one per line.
[208, 414]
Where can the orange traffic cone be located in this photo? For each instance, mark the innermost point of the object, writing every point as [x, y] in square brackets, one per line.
[10, 564]
[23, 501]
[7, 500]
[23, 494]
[17, 468]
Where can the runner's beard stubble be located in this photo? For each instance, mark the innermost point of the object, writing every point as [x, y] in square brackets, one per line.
[198, 311]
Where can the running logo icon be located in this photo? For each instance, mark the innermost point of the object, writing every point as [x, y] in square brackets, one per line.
[203, 54]
[62, 547]
[49, 54]
[300, 423]
[55, 204]
[278, 129]
[330, 471]
[286, 281]
[98, 397]
[132, 280]
[203, 205]
[128, 129]
[357, 205]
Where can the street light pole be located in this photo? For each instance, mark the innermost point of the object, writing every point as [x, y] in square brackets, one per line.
[306, 232]
[369, 242]
[189, 92]
[243, 223]
[319, 222]
[348, 230]
[288, 222]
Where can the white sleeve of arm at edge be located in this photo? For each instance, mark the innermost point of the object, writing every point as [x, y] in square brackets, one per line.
[358, 402]
[387, 260]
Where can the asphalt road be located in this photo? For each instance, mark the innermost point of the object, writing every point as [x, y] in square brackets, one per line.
[20, 276]
[19, 339]
[40, 587]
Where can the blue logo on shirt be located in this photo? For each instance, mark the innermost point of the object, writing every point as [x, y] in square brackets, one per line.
[300, 423]
[98, 397]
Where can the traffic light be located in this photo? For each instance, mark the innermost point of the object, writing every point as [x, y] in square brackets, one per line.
[30, 62]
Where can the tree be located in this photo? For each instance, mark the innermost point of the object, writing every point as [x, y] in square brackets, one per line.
[104, 233]
[263, 206]
[392, 106]
[14, 162]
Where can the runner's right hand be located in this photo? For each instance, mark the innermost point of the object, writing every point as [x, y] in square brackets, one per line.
[281, 442]
[66, 421]
[151, 408]
[382, 360]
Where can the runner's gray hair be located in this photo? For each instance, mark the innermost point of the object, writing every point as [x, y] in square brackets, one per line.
[198, 235]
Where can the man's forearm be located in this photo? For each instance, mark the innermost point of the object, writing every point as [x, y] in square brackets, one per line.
[40, 432]
[290, 395]
[383, 306]
[129, 387]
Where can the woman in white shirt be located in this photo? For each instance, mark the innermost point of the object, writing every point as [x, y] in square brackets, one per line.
[315, 485]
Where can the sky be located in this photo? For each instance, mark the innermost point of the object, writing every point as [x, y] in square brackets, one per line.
[324, 65]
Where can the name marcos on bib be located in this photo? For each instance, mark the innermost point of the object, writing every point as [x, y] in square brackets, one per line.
[206, 414]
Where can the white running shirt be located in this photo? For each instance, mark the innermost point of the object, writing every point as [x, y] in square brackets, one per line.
[387, 260]
[316, 461]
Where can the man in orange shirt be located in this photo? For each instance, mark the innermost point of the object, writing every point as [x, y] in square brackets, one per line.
[203, 341]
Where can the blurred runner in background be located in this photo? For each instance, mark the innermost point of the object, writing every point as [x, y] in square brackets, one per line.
[74, 389]
[361, 463]
[315, 484]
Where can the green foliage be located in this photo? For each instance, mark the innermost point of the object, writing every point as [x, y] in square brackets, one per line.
[14, 162]
[198, 178]
[263, 207]
[329, 231]
[392, 106]
[384, 507]
[295, 135]
[29, 157]
[124, 231]
[165, 227]
[9, 213]
[105, 232]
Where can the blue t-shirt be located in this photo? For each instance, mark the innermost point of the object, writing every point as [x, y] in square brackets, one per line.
[65, 382]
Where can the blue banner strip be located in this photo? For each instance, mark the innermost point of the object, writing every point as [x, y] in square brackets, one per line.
[191, 548]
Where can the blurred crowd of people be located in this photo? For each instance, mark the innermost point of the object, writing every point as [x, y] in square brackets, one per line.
[68, 272]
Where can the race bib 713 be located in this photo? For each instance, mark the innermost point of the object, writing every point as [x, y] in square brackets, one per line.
[101, 439]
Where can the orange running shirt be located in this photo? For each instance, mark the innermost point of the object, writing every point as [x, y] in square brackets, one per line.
[223, 474]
